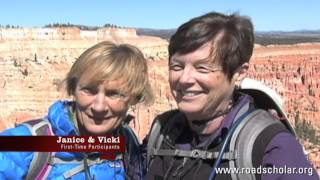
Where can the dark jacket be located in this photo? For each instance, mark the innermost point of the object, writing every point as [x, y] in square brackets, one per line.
[283, 152]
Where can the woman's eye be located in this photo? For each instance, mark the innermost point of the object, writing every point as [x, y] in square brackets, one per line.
[114, 94]
[207, 68]
[204, 69]
[175, 67]
[90, 90]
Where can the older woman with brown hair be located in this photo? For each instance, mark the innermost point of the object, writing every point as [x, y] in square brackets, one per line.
[217, 125]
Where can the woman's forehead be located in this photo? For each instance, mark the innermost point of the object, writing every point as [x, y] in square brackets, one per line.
[110, 83]
[113, 84]
[204, 53]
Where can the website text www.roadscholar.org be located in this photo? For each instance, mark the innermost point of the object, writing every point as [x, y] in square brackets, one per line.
[265, 170]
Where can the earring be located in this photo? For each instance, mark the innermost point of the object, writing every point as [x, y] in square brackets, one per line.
[133, 108]
[236, 86]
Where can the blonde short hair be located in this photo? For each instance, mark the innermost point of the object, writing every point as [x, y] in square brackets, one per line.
[108, 61]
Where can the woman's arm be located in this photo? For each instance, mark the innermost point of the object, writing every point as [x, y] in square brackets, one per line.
[286, 160]
[15, 165]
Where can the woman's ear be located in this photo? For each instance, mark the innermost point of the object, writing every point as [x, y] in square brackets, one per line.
[240, 74]
[243, 72]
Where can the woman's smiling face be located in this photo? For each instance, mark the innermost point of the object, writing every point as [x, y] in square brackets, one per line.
[199, 86]
[100, 109]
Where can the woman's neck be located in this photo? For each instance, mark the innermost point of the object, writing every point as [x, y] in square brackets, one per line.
[206, 126]
[211, 124]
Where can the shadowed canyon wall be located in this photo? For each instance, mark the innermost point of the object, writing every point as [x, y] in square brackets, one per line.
[34, 62]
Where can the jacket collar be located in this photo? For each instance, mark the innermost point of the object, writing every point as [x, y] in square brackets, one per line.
[60, 117]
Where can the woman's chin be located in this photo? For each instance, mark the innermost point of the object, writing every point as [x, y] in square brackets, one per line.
[98, 129]
[189, 110]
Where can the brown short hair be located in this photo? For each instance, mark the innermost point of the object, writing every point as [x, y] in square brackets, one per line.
[231, 36]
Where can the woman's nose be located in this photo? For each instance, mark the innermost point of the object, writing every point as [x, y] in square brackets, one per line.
[187, 76]
[99, 103]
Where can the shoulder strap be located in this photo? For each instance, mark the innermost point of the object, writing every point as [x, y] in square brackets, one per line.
[251, 138]
[38, 127]
[155, 136]
[132, 159]
[133, 144]
[129, 133]
[38, 167]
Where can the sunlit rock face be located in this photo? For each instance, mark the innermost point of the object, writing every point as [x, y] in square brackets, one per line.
[294, 72]
[34, 62]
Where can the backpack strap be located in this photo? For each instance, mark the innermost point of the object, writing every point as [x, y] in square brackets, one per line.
[155, 136]
[132, 158]
[81, 167]
[251, 138]
[195, 153]
[39, 168]
[130, 134]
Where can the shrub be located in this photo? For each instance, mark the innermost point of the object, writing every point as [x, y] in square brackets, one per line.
[306, 131]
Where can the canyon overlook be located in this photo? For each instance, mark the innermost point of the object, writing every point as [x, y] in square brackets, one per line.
[34, 62]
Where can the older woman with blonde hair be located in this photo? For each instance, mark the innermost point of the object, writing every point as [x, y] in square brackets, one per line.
[104, 81]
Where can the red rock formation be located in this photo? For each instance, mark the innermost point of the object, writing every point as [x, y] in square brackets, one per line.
[294, 72]
[33, 63]
[64, 44]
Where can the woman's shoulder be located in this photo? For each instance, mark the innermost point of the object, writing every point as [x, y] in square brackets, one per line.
[19, 130]
[15, 164]
[285, 149]
[285, 152]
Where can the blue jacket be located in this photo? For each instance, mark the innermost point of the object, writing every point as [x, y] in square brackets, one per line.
[15, 165]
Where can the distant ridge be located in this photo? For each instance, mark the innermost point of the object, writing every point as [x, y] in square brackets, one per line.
[287, 37]
[261, 37]
[163, 33]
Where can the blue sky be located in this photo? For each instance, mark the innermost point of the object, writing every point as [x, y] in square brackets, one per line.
[284, 15]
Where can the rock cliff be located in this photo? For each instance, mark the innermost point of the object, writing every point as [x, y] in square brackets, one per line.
[34, 62]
